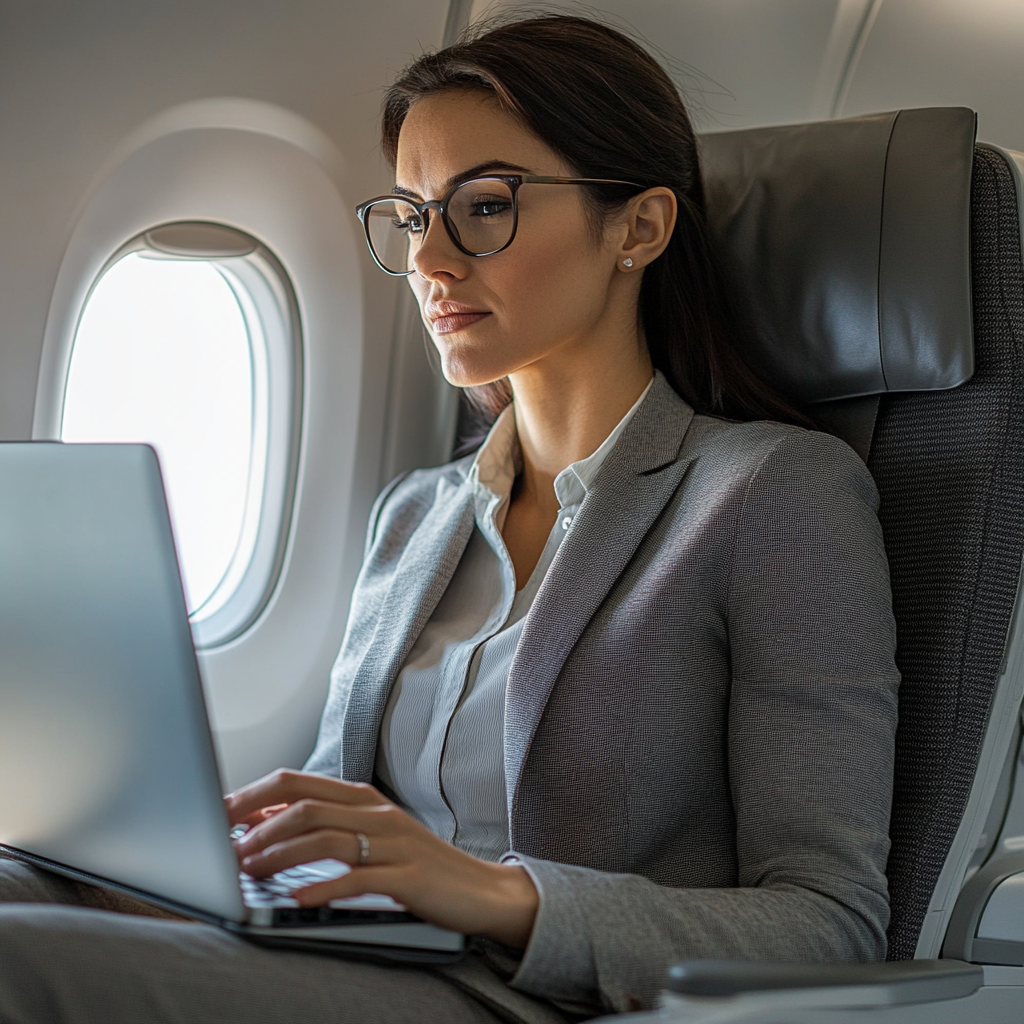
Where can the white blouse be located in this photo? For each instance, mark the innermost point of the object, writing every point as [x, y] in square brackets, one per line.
[440, 752]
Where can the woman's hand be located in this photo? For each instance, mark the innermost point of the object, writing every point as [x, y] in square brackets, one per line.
[296, 818]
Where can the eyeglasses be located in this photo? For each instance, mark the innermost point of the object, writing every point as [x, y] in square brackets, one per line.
[480, 216]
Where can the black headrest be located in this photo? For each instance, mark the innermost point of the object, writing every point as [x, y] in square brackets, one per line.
[848, 244]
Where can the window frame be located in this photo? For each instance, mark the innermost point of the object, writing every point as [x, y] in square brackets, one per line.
[267, 302]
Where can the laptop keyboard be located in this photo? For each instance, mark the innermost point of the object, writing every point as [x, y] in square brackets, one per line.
[277, 889]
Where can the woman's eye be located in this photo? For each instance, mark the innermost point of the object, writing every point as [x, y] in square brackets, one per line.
[412, 225]
[491, 207]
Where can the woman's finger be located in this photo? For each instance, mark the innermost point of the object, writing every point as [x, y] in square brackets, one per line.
[291, 820]
[261, 815]
[311, 846]
[383, 880]
[447, 906]
[313, 815]
[285, 786]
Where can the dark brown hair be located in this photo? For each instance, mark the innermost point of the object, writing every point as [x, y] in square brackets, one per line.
[605, 105]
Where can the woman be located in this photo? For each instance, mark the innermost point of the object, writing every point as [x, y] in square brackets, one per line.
[618, 689]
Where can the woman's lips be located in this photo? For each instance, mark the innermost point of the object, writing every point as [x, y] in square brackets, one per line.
[456, 322]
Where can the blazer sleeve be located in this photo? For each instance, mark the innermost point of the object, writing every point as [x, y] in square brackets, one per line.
[325, 758]
[811, 727]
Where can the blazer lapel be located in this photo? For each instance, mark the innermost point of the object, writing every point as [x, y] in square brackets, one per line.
[641, 474]
[421, 577]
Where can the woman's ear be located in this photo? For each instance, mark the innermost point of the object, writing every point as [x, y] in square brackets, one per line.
[648, 219]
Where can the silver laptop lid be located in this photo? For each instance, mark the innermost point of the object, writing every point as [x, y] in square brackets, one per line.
[106, 760]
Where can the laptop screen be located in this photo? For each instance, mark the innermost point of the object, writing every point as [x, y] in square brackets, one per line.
[106, 759]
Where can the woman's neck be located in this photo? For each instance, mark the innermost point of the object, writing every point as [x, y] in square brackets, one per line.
[564, 411]
[561, 419]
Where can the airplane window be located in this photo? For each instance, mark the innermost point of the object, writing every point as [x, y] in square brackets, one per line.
[186, 343]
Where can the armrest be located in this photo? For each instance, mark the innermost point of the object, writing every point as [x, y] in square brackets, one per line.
[985, 924]
[848, 985]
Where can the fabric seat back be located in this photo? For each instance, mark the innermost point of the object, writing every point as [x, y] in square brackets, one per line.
[943, 435]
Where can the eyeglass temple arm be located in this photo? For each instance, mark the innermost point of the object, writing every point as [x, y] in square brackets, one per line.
[547, 179]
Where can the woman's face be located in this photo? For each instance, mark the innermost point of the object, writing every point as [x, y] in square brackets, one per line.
[543, 297]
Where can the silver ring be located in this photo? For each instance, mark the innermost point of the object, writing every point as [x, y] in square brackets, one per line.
[364, 849]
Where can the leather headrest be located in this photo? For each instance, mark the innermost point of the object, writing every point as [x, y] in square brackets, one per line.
[848, 245]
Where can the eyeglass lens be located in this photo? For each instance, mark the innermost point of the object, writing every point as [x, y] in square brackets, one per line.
[480, 216]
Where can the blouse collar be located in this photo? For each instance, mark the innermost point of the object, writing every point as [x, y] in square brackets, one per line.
[500, 459]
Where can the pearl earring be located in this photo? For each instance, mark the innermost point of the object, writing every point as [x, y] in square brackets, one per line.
[627, 262]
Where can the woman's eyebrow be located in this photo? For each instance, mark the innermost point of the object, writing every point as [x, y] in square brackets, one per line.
[471, 172]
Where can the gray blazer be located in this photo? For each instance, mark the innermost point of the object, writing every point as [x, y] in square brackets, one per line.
[700, 715]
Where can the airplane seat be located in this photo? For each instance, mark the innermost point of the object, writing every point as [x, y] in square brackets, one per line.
[877, 261]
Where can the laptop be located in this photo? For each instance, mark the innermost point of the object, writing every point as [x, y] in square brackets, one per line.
[107, 764]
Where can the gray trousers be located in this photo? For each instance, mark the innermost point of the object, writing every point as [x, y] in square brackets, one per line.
[74, 954]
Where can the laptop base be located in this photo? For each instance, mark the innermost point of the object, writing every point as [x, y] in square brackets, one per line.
[374, 952]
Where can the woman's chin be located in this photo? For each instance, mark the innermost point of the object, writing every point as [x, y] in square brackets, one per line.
[472, 380]
[462, 373]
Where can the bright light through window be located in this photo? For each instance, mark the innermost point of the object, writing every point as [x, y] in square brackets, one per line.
[163, 355]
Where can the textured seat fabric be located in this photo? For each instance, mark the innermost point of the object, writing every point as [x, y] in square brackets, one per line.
[949, 466]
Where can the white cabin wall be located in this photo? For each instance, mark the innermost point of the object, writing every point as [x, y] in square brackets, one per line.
[738, 62]
[76, 81]
[922, 53]
[77, 78]
[759, 62]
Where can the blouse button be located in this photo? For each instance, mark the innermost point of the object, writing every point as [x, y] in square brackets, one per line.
[566, 522]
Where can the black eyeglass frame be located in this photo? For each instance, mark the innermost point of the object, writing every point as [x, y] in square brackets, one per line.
[513, 181]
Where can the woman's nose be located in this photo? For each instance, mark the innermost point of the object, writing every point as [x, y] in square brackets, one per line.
[437, 254]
